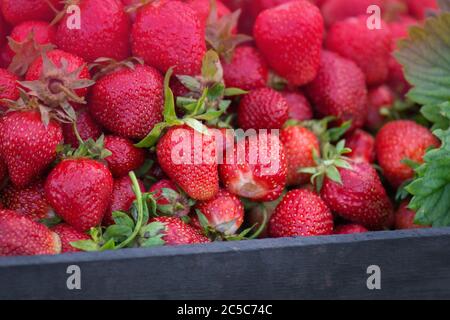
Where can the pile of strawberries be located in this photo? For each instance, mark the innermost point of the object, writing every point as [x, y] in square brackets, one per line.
[97, 94]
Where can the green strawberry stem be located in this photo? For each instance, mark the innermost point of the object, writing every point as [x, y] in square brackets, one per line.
[262, 226]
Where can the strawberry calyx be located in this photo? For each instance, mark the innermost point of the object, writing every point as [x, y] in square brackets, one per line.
[61, 13]
[103, 66]
[137, 5]
[25, 53]
[179, 205]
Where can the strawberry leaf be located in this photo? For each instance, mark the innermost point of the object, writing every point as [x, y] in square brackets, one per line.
[438, 114]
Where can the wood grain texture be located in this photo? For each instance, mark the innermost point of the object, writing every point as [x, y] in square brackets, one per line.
[414, 264]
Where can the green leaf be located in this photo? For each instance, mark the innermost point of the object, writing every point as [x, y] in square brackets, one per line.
[437, 114]
[169, 100]
[333, 174]
[123, 219]
[231, 92]
[197, 126]
[117, 232]
[211, 67]
[190, 83]
[151, 139]
[425, 56]
[86, 245]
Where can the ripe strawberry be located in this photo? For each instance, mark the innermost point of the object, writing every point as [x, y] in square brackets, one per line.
[299, 107]
[350, 228]
[418, 8]
[257, 168]
[298, 144]
[362, 145]
[27, 145]
[105, 30]
[4, 30]
[125, 156]
[80, 191]
[339, 90]
[86, 127]
[122, 198]
[170, 201]
[399, 140]
[337, 10]
[361, 198]
[8, 84]
[17, 11]
[247, 70]
[128, 102]
[29, 201]
[69, 234]
[189, 159]
[176, 232]
[369, 49]
[290, 38]
[379, 97]
[224, 212]
[3, 172]
[153, 37]
[404, 218]
[21, 236]
[262, 108]
[301, 213]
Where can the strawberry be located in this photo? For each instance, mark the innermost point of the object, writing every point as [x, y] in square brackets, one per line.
[29, 201]
[350, 228]
[79, 190]
[4, 30]
[189, 159]
[369, 49]
[21, 236]
[404, 218]
[128, 102]
[257, 168]
[247, 69]
[3, 173]
[68, 234]
[202, 8]
[299, 107]
[301, 213]
[399, 140]
[260, 214]
[290, 38]
[170, 201]
[360, 198]
[17, 11]
[122, 198]
[125, 156]
[339, 90]
[8, 83]
[27, 42]
[418, 8]
[337, 10]
[105, 30]
[362, 145]
[224, 213]
[27, 145]
[176, 232]
[379, 98]
[153, 37]
[298, 144]
[262, 108]
[86, 126]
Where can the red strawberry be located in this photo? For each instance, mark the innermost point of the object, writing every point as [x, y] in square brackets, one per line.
[4, 30]
[125, 156]
[170, 201]
[169, 34]
[69, 234]
[128, 102]
[122, 198]
[21, 236]
[3, 172]
[224, 212]
[337, 10]
[257, 168]
[299, 107]
[350, 228]
[202, 8]
[379, 97]
[176, 232]
[301, 213]
[418, 8]
[262, 108]
[8, 84]
[290, 38]
[361, 198]
[362, 145]
[192, 169]
[86, 127]
[369, 49]
[104, 32]
[29, 201]
[80, 191]
[399, 140]
[298, 144]
[339, 90]
[17, 11]
[27, 145]
[404, 218]
[247, 70]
